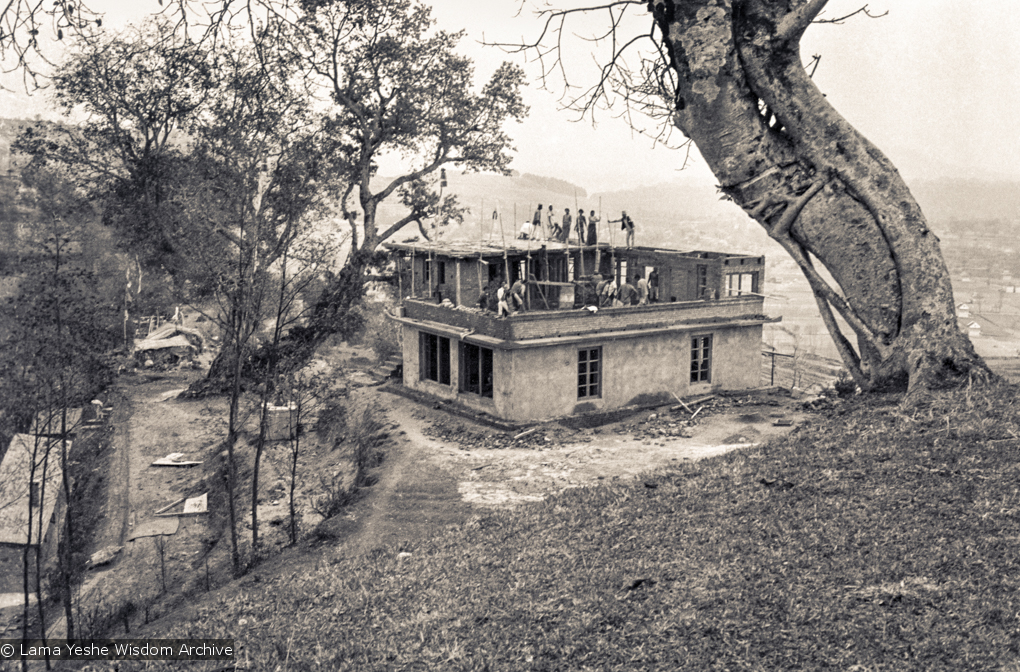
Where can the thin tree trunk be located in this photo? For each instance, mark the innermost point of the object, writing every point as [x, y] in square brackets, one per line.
[295, 448]
[260, 444]
[39, 601]
[67, 571]
[26, 560]
[232, 431]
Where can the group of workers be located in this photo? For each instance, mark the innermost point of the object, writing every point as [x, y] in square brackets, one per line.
[511, 298]
[635, 291]
[543, 226]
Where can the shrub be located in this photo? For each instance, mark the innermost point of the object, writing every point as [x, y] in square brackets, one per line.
[845, 385]
[365, 435]
[336, 495]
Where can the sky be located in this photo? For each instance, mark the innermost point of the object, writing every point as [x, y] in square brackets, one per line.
[935, 84]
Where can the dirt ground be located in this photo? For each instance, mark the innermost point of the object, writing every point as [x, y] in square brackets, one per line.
[440, 469]
[556, 457]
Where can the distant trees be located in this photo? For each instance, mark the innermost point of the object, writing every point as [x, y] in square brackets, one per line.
[142, 91]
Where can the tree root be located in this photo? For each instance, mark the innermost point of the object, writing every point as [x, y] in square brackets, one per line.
[824, 294]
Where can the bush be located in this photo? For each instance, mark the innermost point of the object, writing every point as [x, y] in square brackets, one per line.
[381, 333]
[332, 422]
[365, 435]
[336, 495]
[363, 432]
[845, 385]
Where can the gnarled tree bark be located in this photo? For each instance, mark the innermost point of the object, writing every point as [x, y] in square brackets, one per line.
[818, 186]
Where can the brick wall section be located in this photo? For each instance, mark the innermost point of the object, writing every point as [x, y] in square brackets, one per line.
[543, 324]
[469, 287]
[483, 323]
[562, 323]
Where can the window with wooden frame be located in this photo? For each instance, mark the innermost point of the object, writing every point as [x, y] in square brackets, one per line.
[434, 357]
[701, 359]
[476, 370]
[589, 373]
[738, 284]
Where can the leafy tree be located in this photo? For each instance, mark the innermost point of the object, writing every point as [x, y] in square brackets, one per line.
[728, 74]
[141, 90]
[262, 168]
[396, 86]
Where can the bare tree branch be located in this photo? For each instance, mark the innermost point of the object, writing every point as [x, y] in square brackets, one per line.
[796, 22]
[862, 10]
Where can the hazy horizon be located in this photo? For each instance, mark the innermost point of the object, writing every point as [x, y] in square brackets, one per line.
[933, 85]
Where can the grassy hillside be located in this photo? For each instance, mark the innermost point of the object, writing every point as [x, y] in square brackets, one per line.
[878, 538]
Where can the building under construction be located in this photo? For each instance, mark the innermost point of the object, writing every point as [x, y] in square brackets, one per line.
[570, 350]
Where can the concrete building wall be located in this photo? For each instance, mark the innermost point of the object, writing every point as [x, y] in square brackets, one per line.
[409, 339]
[470, 288]
[541, 383]
[737, 364]
[541, 324]
[441, 269]
[412, 367]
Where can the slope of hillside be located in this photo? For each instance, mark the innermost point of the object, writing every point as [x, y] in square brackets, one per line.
[877, 537]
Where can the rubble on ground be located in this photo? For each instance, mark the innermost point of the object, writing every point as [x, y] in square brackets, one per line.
[668, 422]
[533, 438]
[468, 439]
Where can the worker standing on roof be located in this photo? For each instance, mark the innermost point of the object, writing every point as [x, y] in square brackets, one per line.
[518, 294]
[642, 290]
[582, 223]
[608, 293]
[627, 225]
[502, 308]
[628, 293]
[593, 229]
[565, 226]
[536, 222]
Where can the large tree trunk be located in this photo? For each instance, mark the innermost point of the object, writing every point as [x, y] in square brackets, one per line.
[819, 187]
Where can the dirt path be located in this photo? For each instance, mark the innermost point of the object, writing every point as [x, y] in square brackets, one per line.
[428, 483]
[438, 470]
[115, 521]
[414, 497]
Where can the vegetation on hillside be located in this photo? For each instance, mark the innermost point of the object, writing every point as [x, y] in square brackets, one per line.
[873, 539]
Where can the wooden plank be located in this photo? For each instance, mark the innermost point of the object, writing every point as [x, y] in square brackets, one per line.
[167, 508]
[681, 402]
[526, 432]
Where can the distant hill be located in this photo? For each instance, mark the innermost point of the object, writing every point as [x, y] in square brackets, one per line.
[554, 185]
[513, 197]
[950, 199]
[684, 214]
[676, 215]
